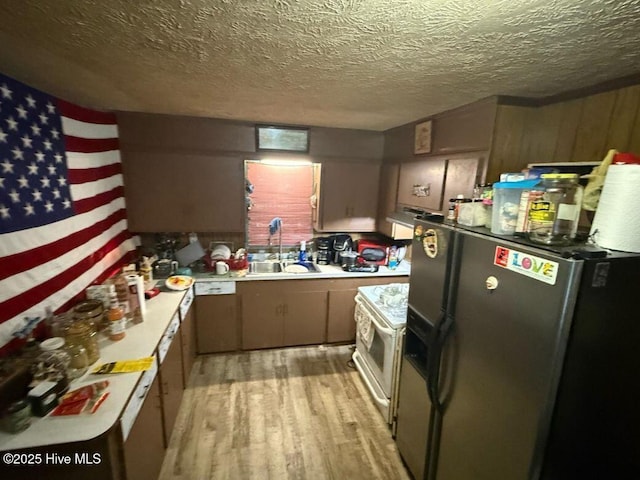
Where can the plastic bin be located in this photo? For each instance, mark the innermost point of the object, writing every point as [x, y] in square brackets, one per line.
[506, 201]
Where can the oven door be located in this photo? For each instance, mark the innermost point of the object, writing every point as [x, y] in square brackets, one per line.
[376, 345]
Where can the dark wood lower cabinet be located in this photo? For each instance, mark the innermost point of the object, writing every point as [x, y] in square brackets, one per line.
[171, 386]
[341, 326]
[144, 447]
[216, 323]
[189, 348]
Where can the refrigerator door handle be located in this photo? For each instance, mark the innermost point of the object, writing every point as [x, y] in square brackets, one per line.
[433, 359]
[440, 338]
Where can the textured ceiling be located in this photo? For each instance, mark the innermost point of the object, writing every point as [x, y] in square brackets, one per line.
[370, 64]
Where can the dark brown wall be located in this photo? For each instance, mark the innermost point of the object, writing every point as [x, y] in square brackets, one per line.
[179, 134]
[527, 131]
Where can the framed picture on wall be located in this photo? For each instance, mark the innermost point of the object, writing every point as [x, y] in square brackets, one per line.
[283, 139]
[422, 141]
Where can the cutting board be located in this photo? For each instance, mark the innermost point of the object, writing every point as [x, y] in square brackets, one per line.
[190, 254]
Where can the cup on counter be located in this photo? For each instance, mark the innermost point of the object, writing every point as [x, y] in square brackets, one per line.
[222, 268]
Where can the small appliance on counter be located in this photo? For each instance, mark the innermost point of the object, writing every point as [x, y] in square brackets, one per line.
[340, 243]
[324, 250]
[373, 251]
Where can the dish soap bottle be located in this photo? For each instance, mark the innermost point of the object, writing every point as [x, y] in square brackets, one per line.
[302, 256]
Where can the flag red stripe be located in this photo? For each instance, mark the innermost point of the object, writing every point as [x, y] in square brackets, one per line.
[88, 204]
[90, 145]
[20, 262]
[84, 114]
[83, 175]
[25, 300]
[40, 332]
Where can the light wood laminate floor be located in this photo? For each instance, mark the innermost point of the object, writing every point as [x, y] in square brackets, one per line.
[297, 413]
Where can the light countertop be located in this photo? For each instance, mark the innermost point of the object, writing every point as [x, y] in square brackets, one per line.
[326, 271]
[141, 341]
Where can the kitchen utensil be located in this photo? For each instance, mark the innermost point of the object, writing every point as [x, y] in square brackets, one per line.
[190, 254]
[222, 268]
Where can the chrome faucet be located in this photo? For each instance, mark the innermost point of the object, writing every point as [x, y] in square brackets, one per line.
[275, 225]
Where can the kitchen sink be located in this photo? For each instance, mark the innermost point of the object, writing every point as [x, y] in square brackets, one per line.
[278, 267]
[310, 266]
[265, 267]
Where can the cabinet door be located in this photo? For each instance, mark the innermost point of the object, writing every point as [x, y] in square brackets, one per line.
[348, 197]
[305, 318]
[171, 383]
[421, 183]
[144, 448]
[387, 197]
[216, 323]
[462, 175]
[188, 337]
[192, 193]
[262, 320]
[341, 324]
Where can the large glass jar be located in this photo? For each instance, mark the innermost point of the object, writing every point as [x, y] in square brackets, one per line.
[554, 209]
[91, 311]
[83, 333]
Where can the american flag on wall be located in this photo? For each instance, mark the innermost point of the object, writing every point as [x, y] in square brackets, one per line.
[63, 222]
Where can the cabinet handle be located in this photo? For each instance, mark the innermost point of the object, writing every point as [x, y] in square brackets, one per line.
[278, 309]
[286, 309]
[144, 391]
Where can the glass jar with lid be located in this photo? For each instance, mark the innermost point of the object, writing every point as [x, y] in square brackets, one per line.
[52, 364]
[83, 333]
[554, 209]
[91, 311]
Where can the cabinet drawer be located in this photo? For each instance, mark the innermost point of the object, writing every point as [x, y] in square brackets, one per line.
[215, 288]
[137, 399]
[168, 337]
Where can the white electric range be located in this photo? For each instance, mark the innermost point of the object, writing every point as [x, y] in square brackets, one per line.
[381, 316]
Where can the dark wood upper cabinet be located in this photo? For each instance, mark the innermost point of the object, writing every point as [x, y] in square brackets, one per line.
[465, 129]
[170, 192]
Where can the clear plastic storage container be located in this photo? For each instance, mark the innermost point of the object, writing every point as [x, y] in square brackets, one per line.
[506, 202]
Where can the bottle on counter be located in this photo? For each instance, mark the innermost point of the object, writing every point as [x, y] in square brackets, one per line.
[145, 270]
[302, 255]
[393, 257]
[116, 316]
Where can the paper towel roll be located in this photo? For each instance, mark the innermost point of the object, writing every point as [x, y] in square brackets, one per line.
[616, 224]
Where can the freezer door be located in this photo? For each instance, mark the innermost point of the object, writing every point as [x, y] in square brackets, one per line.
[414, 417]
[430, 258]
[501, 362]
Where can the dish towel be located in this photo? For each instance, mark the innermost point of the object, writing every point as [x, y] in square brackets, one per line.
[365, 329]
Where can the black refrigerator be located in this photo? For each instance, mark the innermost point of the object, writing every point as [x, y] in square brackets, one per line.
[519, 362]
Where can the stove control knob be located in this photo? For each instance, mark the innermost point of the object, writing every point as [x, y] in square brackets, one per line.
[491, 282]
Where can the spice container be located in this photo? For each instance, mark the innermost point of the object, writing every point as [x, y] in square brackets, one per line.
[115, 314]
[554, 214]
